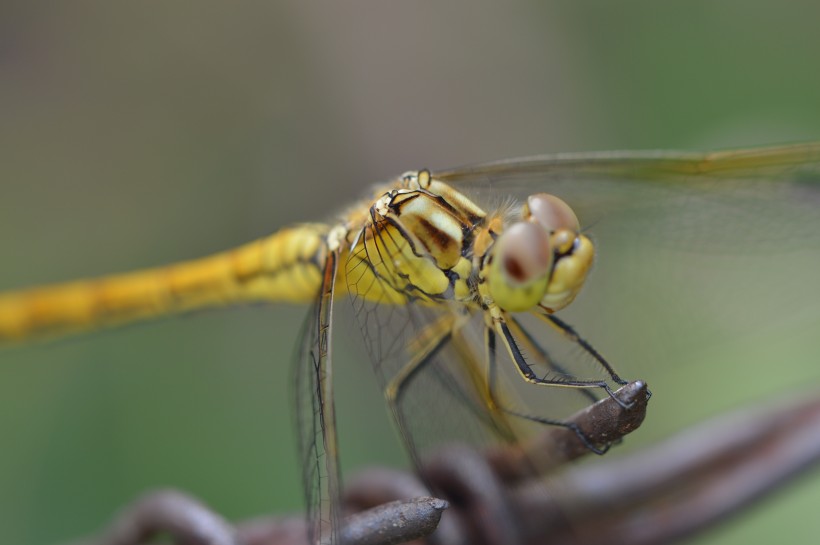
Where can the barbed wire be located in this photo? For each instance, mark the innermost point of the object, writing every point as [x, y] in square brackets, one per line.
[661, 494]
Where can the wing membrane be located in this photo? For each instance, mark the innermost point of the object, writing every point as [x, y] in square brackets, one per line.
[648, 165]
[742, 201]
[315, 415]
[693, 250]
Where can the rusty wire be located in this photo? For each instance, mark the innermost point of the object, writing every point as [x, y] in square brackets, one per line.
[661, 494]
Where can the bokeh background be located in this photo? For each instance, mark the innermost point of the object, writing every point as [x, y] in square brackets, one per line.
[136, 134]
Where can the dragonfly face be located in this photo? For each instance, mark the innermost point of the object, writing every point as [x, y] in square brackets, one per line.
[541, 259]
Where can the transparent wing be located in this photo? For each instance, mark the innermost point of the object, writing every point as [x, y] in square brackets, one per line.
[437, 383]
[653, 165]
[315, 416]
[744, 200]
[464, 388]
[705, 263]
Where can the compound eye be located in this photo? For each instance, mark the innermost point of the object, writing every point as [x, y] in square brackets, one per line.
[524, 253]
[551, 212]
[522, 260]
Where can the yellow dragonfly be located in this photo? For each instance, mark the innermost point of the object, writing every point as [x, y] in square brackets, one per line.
[453, 277]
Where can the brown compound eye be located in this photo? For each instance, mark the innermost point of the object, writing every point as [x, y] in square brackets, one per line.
[551, 212]
[520, 269]
[524, 252]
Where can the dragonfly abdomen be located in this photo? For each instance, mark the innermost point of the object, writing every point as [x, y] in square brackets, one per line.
[285, 266]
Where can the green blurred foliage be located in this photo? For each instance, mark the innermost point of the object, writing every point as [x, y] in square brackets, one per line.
[133, 135]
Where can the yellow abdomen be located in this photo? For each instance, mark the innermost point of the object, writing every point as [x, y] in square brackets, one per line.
[286, 266]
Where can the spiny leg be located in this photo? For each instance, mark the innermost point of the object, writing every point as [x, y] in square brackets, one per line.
[570, 334]
[490, 344]
[532, 345]
[529, 375]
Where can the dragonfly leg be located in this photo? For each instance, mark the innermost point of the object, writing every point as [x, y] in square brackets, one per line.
[570, 334]
[496, 405]
[529, 375]
[532, 346]
[398, 384]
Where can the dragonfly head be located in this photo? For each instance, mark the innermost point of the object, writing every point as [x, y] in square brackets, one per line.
[543, 259]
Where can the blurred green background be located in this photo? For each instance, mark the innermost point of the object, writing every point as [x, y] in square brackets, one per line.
[136, 134]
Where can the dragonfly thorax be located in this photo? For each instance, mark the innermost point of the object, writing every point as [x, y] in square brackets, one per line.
[416, 245]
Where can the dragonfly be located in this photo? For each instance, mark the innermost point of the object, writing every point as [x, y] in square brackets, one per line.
[456, 280]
